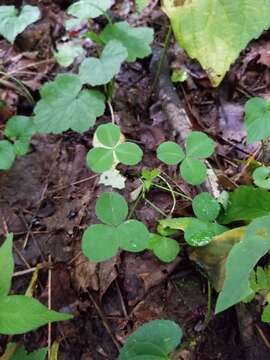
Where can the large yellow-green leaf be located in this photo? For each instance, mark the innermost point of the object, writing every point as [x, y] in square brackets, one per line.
[215, 31]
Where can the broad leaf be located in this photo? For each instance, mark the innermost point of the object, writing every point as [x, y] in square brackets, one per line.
[100, 71]
[261, 177]
[64, 106]
[266, 314]
[166, 249]
[20, 314]
[257, 119]
[193, 171]
[100, 159]
[111, 208]
[129, 153]
[136, 40]
[246, 203]
[20, 130]
[215, 31]
[89, 9]
[108, 134]
[241, 260]
[163, 335]
[67, 52]
[205, 207]
[7, 266]
[12, 24]
[21, 354]
[133, 236]
[170, 153]
[199, 145]
[7, 155]
[99, 242]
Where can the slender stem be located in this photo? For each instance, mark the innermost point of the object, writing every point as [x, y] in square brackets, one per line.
[155, 207]
[24, 90]
[209, 304]
[175, 192]
[171, 191]
[135, 205]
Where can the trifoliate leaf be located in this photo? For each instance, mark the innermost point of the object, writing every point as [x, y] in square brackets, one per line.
[199, 145]
[136, 40]
[166, 249]
[257, 119]
[215, 31]
[100, 71]
[100, 159]
[67, 52]
[20, 314]
[129, 153]
[133, 236]
[241, 260]
[64, 106]
[7, 155]
[89, 9]
[261, 177]
[20, 130]
[12, 23]
[193, 171]
[170, 153]
[112, 178]
[99, 242]
[111, 208]
[7, 263]
[108, 134]
[205, 207]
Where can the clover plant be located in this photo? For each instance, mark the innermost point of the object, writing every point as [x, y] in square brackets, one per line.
[155, 340]
[261, 177]
[166, 249]
[110, 149]
[19, 313]
[192, 169]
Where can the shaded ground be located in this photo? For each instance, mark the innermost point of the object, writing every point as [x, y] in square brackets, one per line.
[47, 199]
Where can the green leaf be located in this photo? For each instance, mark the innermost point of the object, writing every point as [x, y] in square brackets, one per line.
[89, 9]
[205, 207]
[215, 31]
[241, 260]
[20, 129]
[100, 159]
[64, 106]
[108, 134]
[111, 208]
[266, 314]
[170, 153]
[179, 76]
[257, 119]
[199, 145]
[7, 263]
[163, 335]
[129, 153]
[12, 24]
[99, 242]
[20, 314]
[246, 203]
[21, 354]
[100, 71]
[193, 171]
[141, 4]
[261, 177]
[166, 249]
[7, 155]
[201, 233]
[67, 52]
[136, 40]
[133, 236]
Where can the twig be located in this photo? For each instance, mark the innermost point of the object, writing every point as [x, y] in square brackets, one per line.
[49, 306]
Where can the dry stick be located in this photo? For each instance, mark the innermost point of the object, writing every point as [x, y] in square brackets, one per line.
[49, 306]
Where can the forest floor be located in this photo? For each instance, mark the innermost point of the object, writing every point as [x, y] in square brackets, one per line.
[48, 197]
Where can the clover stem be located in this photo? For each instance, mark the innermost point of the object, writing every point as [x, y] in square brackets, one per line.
[209, 304]
[135, 205]
[171, 191]
[111, 111]
[155, 208]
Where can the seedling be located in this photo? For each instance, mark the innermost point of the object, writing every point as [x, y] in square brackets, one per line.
[192, 169]
[110, 149]
[19, 313]
[12, 23]
[155, 340]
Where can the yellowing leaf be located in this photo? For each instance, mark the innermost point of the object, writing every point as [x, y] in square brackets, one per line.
[215, 31]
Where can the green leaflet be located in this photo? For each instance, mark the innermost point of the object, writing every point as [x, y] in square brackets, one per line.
[246, 203]
[153, 340]
[205, 207]
[100, 71]
[215, 31]
[241, 260]
[12, 24]
[136, 40]
[65, 106]
[89, 9]
[21, 354]
[7, 263]
[7, 155]
[20, 314]
[261, 177]
[67, 52]
[165, 248]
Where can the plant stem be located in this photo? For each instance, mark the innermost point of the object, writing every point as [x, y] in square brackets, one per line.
[171, 191]
[156, 208]
[209, 304]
